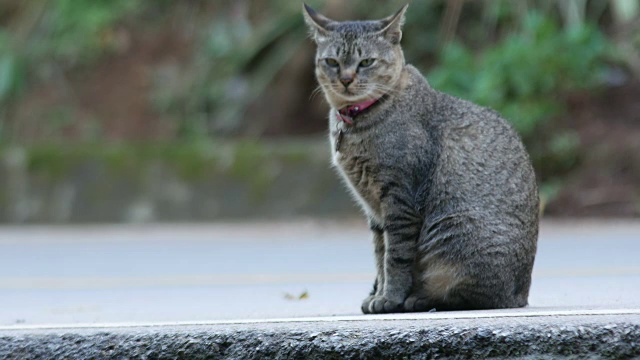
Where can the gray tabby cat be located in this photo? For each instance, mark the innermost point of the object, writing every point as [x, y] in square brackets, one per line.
[447, 185]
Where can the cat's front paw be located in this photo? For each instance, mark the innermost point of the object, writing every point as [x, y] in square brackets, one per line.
[376, 304]
[366, 303]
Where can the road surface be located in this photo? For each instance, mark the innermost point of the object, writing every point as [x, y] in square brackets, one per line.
[166, 273]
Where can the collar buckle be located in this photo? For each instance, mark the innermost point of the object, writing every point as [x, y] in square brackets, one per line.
[347, 114]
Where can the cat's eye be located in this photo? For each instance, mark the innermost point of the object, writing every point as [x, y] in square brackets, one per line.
[366, 63]
[331, 62]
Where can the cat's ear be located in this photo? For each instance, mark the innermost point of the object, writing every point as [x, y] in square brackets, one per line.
[392, 26]
[317, 23]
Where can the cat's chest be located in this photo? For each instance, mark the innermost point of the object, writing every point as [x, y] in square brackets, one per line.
[358, 165]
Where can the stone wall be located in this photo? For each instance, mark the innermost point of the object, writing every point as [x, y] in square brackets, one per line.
[171, 182]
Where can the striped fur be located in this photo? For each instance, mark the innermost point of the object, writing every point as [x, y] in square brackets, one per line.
[447, 186]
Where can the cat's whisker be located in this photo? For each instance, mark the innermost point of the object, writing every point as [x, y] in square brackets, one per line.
[315, 92]
[387, 90]
[366, 90]
[385, 87]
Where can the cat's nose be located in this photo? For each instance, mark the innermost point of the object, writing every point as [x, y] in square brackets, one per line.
[346, 79]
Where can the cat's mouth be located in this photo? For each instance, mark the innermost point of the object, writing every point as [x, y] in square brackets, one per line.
[349, 93]
[341, 96]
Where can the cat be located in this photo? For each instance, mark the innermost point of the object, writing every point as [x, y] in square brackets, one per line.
[447, 185]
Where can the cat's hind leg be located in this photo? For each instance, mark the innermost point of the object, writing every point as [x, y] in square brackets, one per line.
[418, 303]
[434, 288]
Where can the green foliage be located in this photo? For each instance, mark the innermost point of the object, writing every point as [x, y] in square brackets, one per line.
[12, 70]
[235, 62]
[50, 36]
[12, 78]
[555, 154]
[77, 30]
[523, 75]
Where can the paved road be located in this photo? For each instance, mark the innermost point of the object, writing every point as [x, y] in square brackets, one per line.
[163, 273]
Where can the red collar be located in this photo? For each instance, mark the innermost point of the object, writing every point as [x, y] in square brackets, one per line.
[347, 114]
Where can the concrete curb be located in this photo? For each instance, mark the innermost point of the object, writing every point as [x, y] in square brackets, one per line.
[529, 337]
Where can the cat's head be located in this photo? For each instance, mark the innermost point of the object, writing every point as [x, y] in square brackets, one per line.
[356, 60]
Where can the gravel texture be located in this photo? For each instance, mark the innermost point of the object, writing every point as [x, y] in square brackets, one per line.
[572, 337]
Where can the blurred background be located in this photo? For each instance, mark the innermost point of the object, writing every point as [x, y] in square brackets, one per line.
[195, 110]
